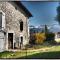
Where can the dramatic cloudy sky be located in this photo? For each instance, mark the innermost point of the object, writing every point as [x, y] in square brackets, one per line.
[43, 12]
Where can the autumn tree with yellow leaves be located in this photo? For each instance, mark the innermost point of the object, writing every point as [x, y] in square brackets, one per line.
[40, 37]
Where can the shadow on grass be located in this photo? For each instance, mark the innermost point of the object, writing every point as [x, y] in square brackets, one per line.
[43, 55]
[5, 54]
[40, 55]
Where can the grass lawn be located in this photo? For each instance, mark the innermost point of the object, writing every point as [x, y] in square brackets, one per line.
[53, 52]
[18, 54]
[44, 55]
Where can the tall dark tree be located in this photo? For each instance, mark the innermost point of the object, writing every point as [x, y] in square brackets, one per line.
[46, 29]
[46, 33]
[58, 14]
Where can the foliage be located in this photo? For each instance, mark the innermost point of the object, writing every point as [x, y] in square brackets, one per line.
[58, 14]
[50, 36]
[40, 37]
[32, 39]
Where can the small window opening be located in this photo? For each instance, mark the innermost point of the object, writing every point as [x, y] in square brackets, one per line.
[21, 26]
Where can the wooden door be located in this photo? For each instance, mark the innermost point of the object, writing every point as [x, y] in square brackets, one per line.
[10, 40]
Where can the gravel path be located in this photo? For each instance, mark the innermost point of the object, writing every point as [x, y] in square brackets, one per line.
[34, 50]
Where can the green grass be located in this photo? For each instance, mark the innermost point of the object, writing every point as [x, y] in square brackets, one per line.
[50, 53]
[53, 52]
[41, 46]
[7, 54]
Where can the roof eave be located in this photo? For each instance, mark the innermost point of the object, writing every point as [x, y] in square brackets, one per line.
[24, 8]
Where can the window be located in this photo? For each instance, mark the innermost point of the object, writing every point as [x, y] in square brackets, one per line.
[0, 19]
[21, 25]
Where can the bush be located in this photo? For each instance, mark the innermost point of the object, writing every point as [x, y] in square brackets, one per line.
[32, 39]
[50, 36]
[40, 37]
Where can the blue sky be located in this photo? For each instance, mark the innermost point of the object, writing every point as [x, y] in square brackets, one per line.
[43, 12]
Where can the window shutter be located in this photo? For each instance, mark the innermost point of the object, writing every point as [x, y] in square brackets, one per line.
[3, 20]
[0, 20]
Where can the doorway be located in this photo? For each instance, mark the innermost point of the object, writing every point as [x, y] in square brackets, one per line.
[21, 42]
[10, 40]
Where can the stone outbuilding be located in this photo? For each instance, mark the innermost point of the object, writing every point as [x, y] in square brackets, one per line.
[14, 28]
[57, 37]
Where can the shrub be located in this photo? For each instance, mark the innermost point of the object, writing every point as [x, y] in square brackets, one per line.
[32, 39]
[40, 37]
[50, 36]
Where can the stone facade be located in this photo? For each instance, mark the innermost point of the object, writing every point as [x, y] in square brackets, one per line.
[13, 15]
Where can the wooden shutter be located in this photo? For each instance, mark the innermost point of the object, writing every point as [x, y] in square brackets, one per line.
[0, 20]
[3, 20]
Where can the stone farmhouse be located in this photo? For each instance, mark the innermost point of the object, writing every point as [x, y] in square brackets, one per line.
[14, 28]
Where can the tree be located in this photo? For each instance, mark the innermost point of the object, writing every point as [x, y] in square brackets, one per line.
[58, 14]
[50, 36]
[32, 39]
[46, 31]
[40, 37]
